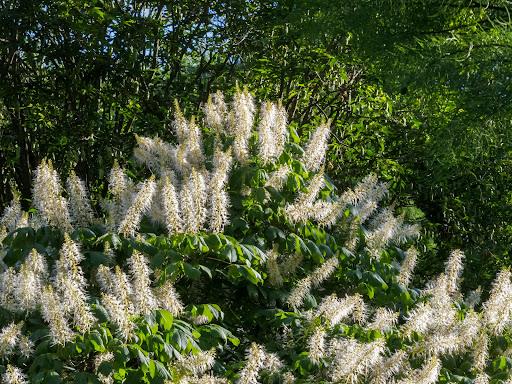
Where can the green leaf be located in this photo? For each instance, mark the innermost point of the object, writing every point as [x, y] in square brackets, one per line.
[100, 312]
[87, 234]
[180, 339]
[315, 252]
[207, 270]
[260, 194]
[214, 241]
[203, 247]
[96, 341]
[165, 319]
[191, 271]
[295, 137]
[377, 278]
[144, 360]
[222, 333]
[152, 369]
[162, 370]
[230, 253]
[250, 274]
[170, 352]
[273, 233]
[300, 246]
[370, 291]
[120, 374]
[158, 260]
[97, 258]
[247, 253]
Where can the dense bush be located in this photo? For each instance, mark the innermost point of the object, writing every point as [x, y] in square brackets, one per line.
[232, 257]
[417, 90]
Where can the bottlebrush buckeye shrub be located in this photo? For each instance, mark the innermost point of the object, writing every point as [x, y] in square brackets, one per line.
[231, 257]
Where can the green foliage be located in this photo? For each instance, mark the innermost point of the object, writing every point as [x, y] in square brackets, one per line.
[442, 67]
[417, 91]
[158, 338]
[235, 303]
